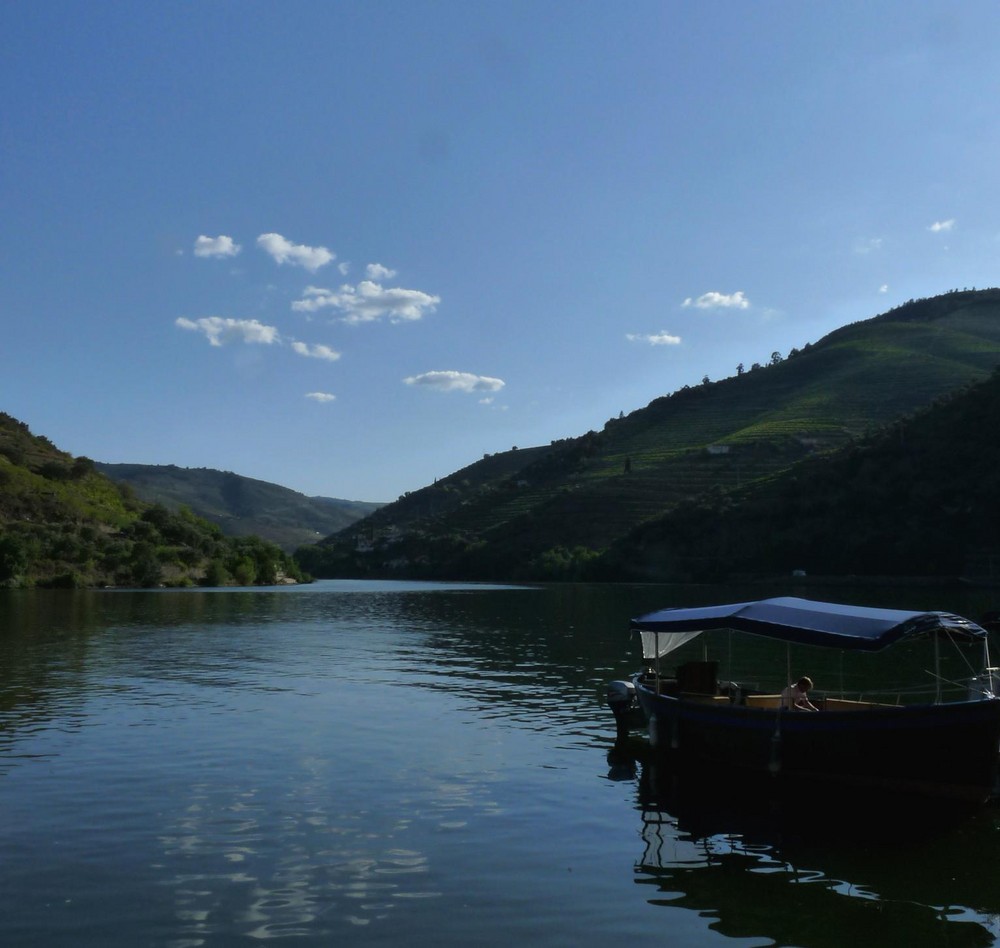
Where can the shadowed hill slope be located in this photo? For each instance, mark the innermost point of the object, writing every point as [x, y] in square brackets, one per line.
[920, 497]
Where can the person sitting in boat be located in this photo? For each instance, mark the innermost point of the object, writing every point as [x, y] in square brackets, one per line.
[796, 696]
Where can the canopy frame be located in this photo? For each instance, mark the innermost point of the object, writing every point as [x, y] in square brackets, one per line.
[806, 622]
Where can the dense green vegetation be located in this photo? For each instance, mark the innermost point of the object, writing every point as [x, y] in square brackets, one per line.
[562, 511]
[64, 524]
[241, 506]
[920, 497]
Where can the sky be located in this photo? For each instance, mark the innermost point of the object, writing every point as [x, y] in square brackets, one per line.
[351, 247]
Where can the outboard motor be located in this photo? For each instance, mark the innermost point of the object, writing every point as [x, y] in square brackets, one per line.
[621, 698]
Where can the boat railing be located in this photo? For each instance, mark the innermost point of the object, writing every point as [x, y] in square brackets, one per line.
[829, 701]
[750, 695]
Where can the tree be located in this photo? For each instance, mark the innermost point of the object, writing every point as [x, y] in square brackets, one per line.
[244, 571]
[144, 568]
[216, 574]
[15, 554]
[82, 466]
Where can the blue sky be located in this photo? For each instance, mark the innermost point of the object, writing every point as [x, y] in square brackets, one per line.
[351, 247]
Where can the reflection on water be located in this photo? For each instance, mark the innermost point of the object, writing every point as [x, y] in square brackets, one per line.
[795, 873]
[299, 763]
[379, 763]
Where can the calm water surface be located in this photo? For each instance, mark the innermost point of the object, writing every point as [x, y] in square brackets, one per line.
[377, 763]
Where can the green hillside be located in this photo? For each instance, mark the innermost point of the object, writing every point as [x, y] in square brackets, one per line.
[64, 524]
[241, 506]
[552, 510]
[920, 497]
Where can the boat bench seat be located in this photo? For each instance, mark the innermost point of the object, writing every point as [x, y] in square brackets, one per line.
[700, 698]
[763, 701]
[825, 704]
[844, 704]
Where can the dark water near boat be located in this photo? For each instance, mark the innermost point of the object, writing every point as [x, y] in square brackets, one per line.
[385, 764]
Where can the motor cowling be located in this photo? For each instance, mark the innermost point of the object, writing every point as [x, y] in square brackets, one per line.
[620, 696]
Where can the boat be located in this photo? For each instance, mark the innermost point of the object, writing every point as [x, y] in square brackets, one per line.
[941, 744]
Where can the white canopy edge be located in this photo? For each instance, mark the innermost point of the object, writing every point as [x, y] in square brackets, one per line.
[658, 644]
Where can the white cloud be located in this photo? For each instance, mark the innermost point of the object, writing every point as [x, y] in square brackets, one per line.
[219, 330]
[884, 288]
[375, 271]
[284, 251]
[315, 351]
[369, 301]
[321, 397]
[869, 245]
[654, 339]
[942, 226]
[344, 267]
[456, 382]
[714, 300]
[221, 246]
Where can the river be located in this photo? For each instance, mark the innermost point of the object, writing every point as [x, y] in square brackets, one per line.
[402, 763]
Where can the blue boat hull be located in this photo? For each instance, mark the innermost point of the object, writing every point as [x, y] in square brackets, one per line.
[944, 750]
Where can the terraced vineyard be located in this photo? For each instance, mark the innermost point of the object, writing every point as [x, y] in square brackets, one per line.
[498, 517]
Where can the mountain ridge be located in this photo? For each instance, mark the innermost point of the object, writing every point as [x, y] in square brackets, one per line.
[507, 515]
[65, 524]
[239, 505]
[919, 497]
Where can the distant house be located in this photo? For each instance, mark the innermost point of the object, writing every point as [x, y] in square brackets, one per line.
[718, 449]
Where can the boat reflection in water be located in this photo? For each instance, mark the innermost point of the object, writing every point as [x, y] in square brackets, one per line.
[801, 871]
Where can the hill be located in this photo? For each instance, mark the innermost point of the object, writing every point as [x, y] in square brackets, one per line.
[920, 497]
[63, 523]
[241, 506]
[550, 511]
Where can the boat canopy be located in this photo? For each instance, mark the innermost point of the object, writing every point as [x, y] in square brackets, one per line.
[800, 621]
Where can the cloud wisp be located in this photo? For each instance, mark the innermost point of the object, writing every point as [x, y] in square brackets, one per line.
[942, 227]
[716, 300]
[368, 302]
[222, 330]
[314, 351]
[661, 338]
[451, 381]
[221, 246]
[868, 245]
[377, 272]
[321, 397]
[284, 251]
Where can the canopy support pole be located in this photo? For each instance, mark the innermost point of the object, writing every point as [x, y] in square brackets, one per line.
[657, 644]
[937, 668]
[729, 659]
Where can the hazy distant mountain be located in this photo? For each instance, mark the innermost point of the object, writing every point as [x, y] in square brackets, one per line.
[241, 506]
[546, 512]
